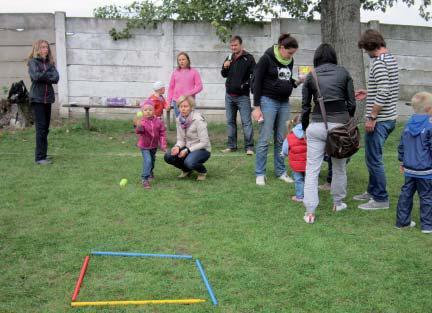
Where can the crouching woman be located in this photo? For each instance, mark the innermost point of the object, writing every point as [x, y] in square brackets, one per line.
[192, 148]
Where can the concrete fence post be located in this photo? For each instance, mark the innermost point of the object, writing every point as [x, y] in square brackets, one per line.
[374, 25]
[167, 59]
[275, 29]
[63, 85]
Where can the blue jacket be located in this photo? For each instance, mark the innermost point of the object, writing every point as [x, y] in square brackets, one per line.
[415, 148]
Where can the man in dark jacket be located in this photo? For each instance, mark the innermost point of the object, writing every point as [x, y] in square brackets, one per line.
[237, 69]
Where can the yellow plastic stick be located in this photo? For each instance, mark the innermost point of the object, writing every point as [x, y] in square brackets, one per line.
[137, 302]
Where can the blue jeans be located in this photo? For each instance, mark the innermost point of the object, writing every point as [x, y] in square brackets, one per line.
[374, 143]
[193, 161]
[243, 105]
[275, 113]
[405, 204]
[175, 107]
[149, 158]
[299, 184]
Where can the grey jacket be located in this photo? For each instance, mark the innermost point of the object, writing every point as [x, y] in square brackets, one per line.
[195, 137]
[337, 89]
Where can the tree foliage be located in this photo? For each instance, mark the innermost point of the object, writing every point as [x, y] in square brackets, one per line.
[224, 14]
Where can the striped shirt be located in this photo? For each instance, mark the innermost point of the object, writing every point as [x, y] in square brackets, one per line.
[383, 87]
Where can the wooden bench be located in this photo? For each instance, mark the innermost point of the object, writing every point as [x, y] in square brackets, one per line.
[87, 108]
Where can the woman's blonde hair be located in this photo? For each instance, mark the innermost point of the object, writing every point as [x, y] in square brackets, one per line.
[421, 101]
[291, 123]
[36, 48]
[189, 99]
[186, 56]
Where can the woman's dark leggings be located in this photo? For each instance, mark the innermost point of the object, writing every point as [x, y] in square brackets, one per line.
[42, 113]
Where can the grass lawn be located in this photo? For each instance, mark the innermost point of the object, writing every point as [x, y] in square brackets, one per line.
[258, 253]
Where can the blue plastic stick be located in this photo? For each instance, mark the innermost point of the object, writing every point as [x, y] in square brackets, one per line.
[206, 282]
[169, 256]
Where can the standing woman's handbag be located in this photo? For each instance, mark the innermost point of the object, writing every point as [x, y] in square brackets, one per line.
[342, 141]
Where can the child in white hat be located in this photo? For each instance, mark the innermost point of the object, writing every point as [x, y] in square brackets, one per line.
[158, 100]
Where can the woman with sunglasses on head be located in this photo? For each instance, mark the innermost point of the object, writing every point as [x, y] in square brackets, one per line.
[43, 75]
[273, 83]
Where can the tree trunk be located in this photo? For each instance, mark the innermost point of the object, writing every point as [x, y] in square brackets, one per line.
[340, 27]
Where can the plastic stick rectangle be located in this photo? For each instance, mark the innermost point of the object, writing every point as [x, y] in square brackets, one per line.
[169, 256]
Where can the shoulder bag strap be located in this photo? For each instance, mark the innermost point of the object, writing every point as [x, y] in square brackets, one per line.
[320, 98]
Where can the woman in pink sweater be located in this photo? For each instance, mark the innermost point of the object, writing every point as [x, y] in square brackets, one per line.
[185, 81]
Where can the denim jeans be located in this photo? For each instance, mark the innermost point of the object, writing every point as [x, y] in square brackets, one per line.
[374, 143]
[149, 158]
[275, 113]
[193, 161]
[316, 135]
[405, 204]
[299, 184]
[243, 105]
[175, 107]
[42, 113]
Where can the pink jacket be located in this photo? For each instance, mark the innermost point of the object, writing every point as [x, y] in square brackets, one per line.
[184, 82]
[151, 134]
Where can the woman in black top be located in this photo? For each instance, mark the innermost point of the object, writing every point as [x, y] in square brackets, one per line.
[43, 74]
[337, 89]
[272, 86]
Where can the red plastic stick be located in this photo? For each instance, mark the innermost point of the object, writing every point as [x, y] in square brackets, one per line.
[80, 278]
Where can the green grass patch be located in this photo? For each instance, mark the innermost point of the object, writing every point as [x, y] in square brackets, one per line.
[258, 253]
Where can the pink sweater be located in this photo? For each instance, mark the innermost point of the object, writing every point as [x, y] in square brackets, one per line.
[184, 82]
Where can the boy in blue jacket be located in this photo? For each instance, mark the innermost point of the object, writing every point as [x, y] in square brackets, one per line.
[415, 155]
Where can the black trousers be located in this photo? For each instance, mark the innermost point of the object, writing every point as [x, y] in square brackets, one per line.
[42, 113]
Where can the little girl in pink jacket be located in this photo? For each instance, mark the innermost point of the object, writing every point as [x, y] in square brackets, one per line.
[151, 134]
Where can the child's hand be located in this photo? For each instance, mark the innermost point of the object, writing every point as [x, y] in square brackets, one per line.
[136, 121]
[401, 168]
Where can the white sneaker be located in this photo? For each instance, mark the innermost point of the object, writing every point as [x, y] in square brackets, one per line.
[286, 178]
[340, 207]
[309, 218]
[427, 231]
[412, 224]
[260, 180]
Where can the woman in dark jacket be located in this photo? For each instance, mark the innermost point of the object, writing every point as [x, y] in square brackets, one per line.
[337, 89]
[43, 74]
[272, 87]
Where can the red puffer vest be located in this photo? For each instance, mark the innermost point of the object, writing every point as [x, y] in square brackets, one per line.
[297, 153]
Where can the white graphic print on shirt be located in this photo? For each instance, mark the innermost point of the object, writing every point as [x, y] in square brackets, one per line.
[284, 73]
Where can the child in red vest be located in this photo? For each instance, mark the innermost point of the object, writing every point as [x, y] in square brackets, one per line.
[158, 100]
[294, 146]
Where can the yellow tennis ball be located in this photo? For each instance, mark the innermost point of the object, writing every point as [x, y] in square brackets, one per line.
[123, 182]
[139, 114]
